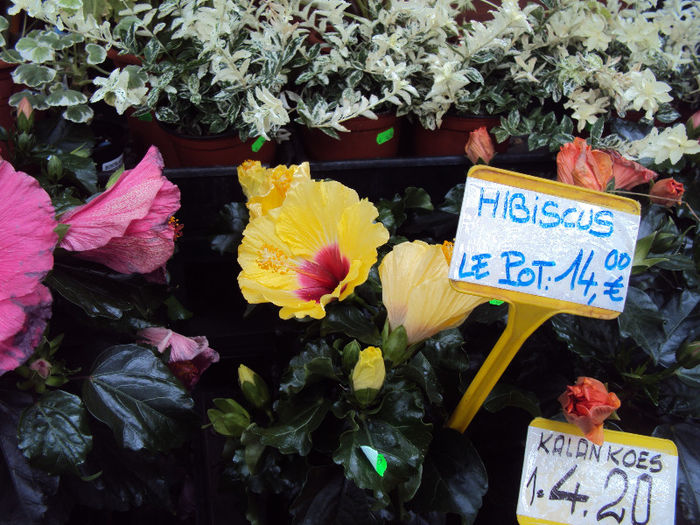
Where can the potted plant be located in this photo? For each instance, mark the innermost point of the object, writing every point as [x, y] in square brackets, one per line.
[353, 81]
[463, 82]
[590, 63]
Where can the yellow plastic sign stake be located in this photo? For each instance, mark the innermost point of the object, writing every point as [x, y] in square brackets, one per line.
[567, 480]
[544, 248]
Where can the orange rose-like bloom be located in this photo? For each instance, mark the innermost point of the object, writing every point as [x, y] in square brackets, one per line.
[479, 146]
[628, 173]
[587, 404]
[669, 190]
[580, 165]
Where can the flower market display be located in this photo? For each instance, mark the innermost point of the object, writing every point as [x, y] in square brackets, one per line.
[236, 283]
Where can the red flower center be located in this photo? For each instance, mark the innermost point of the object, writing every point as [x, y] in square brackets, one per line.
[322, 275]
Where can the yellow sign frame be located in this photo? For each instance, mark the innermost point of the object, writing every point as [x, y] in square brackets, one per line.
[526, 312]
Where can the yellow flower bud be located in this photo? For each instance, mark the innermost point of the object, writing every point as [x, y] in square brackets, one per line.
[368, 374]
[253, 387]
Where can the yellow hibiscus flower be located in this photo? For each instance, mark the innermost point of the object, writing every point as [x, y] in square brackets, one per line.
[266, 188]
[316, 247]
[417, 294]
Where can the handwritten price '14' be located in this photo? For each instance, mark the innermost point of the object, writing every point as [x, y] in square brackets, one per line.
[519, 274]
[640, 502]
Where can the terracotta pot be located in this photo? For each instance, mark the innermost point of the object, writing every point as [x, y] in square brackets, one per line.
[452, 135]
[367, 139]
[219, 150]
[123, 60]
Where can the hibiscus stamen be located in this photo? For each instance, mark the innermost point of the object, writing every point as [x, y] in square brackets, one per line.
[175, 225]
[447, 250]
[271, 258]
[323, 274]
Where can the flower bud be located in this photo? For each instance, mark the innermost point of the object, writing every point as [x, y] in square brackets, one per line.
[688, 355]
[351, 353]
[55, 167]
[667, 192]
[479, 146]
[228, 418]
[253, 387]
[42, 367]
[395, 346]
[368, 375]
[24, 115]
[693, 126]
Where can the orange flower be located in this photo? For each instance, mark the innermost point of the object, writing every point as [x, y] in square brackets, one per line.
[628, 173]
[668, 191]
[479, 146]
[580, 165]
[587, 404]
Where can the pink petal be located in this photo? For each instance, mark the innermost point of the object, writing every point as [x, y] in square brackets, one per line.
[109, 214]
[17, 348]
[142, 252]
[27, 236]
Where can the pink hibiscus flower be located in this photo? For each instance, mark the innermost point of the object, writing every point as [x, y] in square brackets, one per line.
[27, 240]
[189, 356]
[128, 226]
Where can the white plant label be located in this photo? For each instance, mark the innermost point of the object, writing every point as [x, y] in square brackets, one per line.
[629, 480]
[542, 244]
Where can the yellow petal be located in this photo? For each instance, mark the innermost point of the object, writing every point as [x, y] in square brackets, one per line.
[417, 294]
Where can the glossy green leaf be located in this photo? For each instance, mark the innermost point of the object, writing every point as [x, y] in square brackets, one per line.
[228, 418]
[344, 317]
[328, 498]
[686, 436]
[445, 350]
[642, 321]
[95, 293]
[419, 371]
[503, 396]
[396, 431]
[297, 419]
[313, 364]
[53, 433]
[454, 477]
[131, 391]
[26, 490]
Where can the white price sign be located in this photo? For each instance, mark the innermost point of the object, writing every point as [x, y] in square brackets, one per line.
[520, 234]
[566, 479]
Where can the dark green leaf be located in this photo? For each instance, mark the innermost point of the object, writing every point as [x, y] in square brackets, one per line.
[327, 498]
[454, 478]
[176, 311]
[642, 321]
[417, 198]
[53, 432]
[445, 350]
[453, 200]
[314, 364]
[352, 321]
[297, 419]
[587, 337]
[134, 394]
[503, 396]
[686, 436]
[396, 431]
[420, 371]
[96, 294]
[24, 498]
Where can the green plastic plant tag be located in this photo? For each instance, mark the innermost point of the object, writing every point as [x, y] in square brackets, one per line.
[496, 302]
[385, 136]
[146, 117]
[258, 144]
[377, 460]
